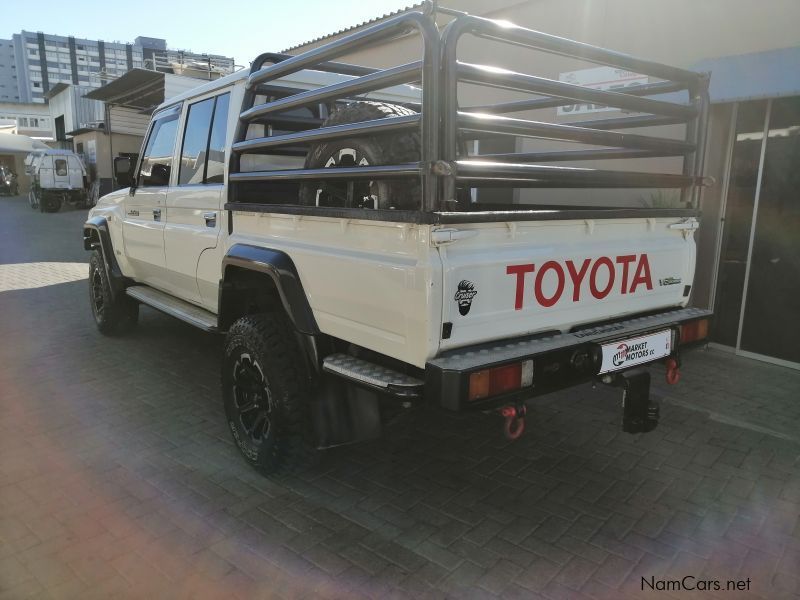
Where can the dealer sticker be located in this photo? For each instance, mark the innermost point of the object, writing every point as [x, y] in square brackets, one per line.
[629, 353]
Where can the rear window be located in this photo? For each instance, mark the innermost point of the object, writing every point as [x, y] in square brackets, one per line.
[61, 166]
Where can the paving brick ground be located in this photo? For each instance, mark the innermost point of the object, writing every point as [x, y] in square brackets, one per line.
[118, 478]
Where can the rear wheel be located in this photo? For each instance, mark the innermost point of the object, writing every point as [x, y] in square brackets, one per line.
[364, 151]
[113, 314]
[265, 393]
[50, 203]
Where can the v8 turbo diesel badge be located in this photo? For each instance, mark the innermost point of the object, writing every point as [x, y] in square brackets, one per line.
[466, 292]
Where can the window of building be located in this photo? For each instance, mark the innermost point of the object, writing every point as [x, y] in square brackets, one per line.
[157, 159]
[203, 153]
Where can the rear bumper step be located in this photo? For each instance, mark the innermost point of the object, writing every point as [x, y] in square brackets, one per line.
[554, 358]
[373, 376]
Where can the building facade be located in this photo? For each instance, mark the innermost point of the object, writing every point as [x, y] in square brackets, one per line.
[748, 245]
[33, 65]
[33, 120]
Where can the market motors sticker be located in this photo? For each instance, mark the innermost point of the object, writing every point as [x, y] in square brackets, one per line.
[629, 353]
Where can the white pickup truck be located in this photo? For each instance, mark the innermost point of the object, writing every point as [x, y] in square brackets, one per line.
[329, 220]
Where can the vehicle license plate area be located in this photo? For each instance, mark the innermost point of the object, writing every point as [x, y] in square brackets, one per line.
[623, 354]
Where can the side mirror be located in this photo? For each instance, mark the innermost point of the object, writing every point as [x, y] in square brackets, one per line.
[123, 167]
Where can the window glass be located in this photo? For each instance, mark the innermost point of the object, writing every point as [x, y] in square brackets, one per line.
[195, 142]
[216, 148]
[61, 166]
[157, 160]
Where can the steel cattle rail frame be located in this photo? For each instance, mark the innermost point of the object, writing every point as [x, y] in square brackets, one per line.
[427, 121]
[482, 120]
[443, 124]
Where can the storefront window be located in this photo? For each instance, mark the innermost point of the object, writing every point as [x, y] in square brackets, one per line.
[738, 220]
[773, 290]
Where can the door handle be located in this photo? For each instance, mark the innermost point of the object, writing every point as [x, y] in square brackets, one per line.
[156, 214]
[210, 218]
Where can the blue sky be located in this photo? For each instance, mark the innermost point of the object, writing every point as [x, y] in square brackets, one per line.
[220, 27]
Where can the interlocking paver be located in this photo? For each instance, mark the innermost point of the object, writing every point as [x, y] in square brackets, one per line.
[118, 478]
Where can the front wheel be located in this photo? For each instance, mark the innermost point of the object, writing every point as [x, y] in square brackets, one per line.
[112, 313]
[265, 394]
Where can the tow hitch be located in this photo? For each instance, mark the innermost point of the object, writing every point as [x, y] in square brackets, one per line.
[639, 412]
[514, 424]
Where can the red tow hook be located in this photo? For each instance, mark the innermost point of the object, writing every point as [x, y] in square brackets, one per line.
[514, 424]
[673, 371]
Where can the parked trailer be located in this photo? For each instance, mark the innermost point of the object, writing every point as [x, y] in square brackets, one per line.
[59, 177]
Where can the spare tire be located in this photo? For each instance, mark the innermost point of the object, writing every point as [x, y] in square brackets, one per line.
[385, 149]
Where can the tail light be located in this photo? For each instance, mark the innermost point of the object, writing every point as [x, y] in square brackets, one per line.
[694, 331]
[499, 380]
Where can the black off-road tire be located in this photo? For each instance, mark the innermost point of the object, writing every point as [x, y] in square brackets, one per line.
[387, 149]
[112, 315]
[265, 392]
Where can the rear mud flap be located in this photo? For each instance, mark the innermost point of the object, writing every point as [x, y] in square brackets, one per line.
[344, 414]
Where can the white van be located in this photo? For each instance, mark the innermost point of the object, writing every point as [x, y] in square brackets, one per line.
[58, 177]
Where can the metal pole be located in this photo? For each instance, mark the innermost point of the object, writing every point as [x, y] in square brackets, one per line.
[759, 181]
[726, 178]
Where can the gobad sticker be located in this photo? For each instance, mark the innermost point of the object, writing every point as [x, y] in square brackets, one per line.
[466, 292]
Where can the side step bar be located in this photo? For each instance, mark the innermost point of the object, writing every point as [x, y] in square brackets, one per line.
[372, 376]
[189, 313]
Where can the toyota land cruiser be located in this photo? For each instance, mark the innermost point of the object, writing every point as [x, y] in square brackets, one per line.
[349, 233]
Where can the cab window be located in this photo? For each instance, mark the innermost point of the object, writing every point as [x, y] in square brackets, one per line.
[157, 158]
[61, 166]
[203, 151]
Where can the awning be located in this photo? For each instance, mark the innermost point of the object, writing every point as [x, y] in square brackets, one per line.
[138, 89]
[770, 74]
[56, 89]
[11, 143]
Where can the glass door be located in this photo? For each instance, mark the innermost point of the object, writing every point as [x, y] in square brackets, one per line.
[757, 301]
[771, 315]
[743, 179]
